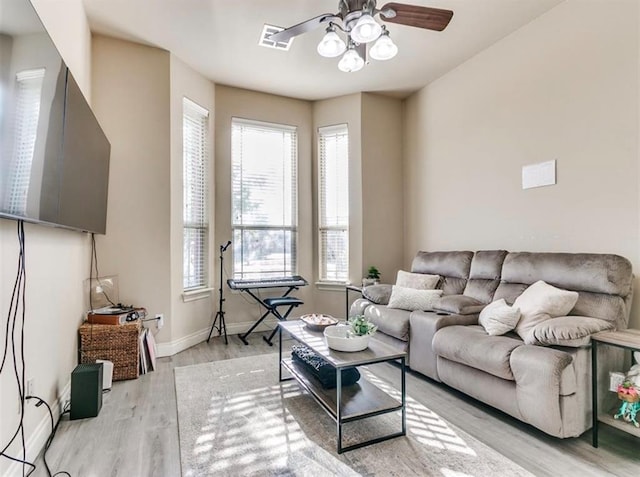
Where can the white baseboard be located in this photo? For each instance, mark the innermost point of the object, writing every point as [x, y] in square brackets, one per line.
[174, 347]
[36, 441]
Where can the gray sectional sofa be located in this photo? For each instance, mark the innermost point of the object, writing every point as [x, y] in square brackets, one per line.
[547, 386]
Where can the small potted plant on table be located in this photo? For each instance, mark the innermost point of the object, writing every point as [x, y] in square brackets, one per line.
[354, 336]
[373, 277]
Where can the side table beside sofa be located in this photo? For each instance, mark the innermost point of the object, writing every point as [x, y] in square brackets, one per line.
[624, 339]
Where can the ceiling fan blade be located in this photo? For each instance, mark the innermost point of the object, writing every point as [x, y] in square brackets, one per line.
[416, 16]
[304, 27]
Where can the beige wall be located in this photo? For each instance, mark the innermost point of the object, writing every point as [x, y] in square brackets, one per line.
[240, 309]
[562, 88]
[57, 265]
[375, 188]
[131, 94]
[66, 23]
[188, 318]
[382, 189]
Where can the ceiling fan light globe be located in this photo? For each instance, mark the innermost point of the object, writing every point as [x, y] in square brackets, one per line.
[331, 45]
[383, 49]
[366, 29]
[351, 62]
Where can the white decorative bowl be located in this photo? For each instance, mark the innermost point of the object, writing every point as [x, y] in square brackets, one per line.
[318, 322]
[337, 339]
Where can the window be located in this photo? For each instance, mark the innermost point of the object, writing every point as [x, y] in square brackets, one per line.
[29, 90]
[333, 213]
[195, 147]
[264, 199]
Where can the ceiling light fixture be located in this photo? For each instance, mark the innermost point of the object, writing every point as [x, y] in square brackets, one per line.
[351, 61]
[366, 29]
[359, 24]
[360, 28]
[331, 44]
[384, 48]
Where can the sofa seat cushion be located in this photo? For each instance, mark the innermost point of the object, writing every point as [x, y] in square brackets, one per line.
[472, 346]
[390, 321]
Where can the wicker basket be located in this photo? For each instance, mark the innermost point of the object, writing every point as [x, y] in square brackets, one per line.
[116, 343]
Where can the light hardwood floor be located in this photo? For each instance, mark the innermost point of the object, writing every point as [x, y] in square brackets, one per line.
[136, 433]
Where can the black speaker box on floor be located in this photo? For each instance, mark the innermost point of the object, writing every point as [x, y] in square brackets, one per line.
[86, 390]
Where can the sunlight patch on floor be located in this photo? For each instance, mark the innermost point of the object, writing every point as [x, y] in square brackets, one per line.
[257, 429]
[423, 424]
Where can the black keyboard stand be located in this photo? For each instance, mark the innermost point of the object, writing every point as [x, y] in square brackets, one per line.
[271, 306]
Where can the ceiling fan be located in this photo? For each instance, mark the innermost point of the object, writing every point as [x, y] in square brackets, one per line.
[356, 19]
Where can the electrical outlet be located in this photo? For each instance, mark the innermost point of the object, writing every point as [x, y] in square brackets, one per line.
[160, 318]
[30, 387]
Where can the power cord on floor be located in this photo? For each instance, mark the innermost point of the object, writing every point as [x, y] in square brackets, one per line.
[54, 428]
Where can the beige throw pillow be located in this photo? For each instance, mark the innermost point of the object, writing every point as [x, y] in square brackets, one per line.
[419, 281]
[411, 299]
[541, 302]
[498, 318]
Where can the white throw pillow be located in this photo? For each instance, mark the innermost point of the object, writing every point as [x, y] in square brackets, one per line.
[419, 281]
[411, 299]
[541, 302]
[498, 318]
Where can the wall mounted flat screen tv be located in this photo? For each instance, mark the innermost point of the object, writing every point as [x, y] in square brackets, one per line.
[54, 156]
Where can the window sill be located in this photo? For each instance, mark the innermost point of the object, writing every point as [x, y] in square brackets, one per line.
[331, 286]
[197, 294]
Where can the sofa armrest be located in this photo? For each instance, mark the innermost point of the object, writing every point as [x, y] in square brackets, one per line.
[538, 374]
[358, 307]
[378, 294]
[424, 325]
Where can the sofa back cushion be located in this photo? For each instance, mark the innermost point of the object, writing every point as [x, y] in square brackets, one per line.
[453, 267]
[484, 276]
[603, 281]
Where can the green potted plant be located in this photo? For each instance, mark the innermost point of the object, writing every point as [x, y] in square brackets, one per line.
[361, 326]
[352, 336]
[373, 277]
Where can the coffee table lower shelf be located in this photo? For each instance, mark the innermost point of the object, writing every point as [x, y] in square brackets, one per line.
[359, 401]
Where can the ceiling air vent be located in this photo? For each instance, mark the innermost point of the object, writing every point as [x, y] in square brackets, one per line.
[270, 30]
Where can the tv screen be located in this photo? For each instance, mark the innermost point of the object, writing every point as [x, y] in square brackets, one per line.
[54, 157]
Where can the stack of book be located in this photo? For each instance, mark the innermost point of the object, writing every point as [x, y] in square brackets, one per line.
[148, 351]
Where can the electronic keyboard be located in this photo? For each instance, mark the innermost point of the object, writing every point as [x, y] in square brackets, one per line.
[271, 282]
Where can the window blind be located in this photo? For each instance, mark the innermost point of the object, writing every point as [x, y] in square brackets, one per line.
[29, 91]
[264, 198]
[195, 127]
[333, 214]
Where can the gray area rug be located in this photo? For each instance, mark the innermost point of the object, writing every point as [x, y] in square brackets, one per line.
[235, 419]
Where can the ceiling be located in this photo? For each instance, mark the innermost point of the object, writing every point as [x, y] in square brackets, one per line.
[219, 38]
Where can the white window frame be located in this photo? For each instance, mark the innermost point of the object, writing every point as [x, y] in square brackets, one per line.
[241, 225]
[329, 221]
[195, 205]
[27, 115]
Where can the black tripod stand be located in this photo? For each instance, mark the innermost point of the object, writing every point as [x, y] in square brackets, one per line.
[222, 326]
